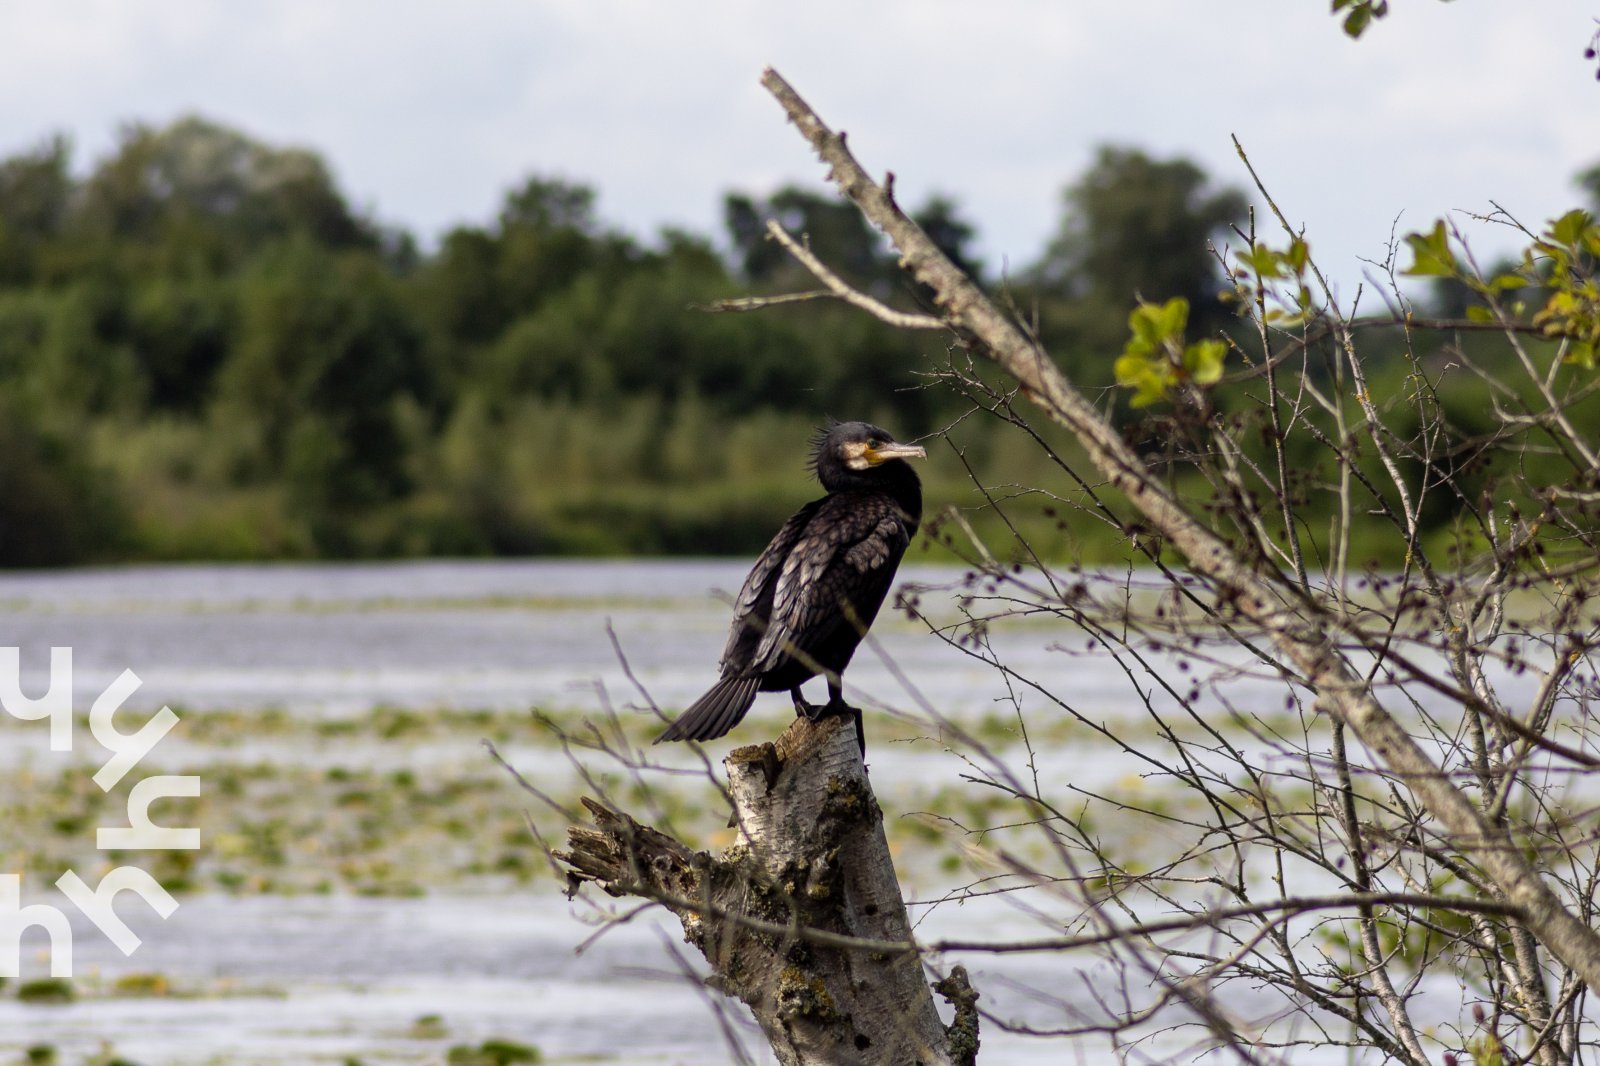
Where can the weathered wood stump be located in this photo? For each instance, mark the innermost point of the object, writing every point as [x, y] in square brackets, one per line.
[801, 918]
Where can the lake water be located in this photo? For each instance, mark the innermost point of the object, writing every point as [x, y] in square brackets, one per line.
[329, 977]
[338, 639]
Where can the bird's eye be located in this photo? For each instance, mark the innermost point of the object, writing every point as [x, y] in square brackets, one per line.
[874, 442]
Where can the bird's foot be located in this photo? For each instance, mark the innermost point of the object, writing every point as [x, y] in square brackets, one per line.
[832, 708]
[836, 706]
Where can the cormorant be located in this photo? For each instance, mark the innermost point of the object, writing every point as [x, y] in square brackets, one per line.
[812, 594]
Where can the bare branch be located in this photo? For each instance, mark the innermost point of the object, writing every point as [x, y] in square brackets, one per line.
[1301, 627]
[836, 285]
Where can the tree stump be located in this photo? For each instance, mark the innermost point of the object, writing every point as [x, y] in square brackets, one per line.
[801, 918]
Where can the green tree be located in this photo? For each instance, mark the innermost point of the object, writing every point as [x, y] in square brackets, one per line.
[487, 280]
[548, 237]
[941, 219]
[63, 351]
[35, 196]
[1133, 227]
[196, 178]
[324, 353]
[181, 331]
[56, 508]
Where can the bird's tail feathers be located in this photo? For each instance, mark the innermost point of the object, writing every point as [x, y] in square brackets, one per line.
[716, 712]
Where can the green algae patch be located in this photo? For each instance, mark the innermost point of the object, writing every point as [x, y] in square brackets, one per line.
[47, 990]
[493, 1053]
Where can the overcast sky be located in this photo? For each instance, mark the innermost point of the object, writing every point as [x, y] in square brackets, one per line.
[428, 111]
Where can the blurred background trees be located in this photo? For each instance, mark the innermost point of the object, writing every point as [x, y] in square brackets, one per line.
[207, 352]
[1133, 228]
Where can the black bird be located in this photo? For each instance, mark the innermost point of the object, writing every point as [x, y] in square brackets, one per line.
[811, 596]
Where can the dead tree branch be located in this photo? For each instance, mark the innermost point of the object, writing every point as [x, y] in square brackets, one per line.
[802, 917]
[1308, 631]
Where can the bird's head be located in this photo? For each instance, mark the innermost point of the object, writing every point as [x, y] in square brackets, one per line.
[858, 453]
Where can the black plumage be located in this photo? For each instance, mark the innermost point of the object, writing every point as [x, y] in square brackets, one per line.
[812, 594]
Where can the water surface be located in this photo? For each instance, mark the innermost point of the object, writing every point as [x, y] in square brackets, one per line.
[322, 978]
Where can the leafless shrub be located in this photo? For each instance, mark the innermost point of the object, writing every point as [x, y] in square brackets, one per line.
[1357, 662]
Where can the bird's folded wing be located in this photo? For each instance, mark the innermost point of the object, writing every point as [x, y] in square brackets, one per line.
[842, 558]
[753, 606]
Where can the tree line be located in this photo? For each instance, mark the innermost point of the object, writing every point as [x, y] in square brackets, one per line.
[207, 352]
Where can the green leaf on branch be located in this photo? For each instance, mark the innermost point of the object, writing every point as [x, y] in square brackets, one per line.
[1203, 361]
[1571, 227]
[1299, 255]
[1144, 377]
[1361, 13]
[1172, 317]
[1572, 314]
[1156, 324]
[1261, 261]
[1431, 254]
[1156, 360]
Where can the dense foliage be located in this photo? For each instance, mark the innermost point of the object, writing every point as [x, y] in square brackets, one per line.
[206, 352]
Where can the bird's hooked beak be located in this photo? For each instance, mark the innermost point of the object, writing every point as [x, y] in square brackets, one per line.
[894, 450]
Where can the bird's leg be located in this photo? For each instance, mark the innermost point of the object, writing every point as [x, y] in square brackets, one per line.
[837, 705]
[816, 712]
